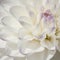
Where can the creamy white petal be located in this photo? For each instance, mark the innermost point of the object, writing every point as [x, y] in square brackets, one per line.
[39, 31]
[32, 9]
[30, 46]
[16, 53]
[4, 51]
[11, 22]
[7, 58]
[58, 9]
[38, 5]
[27, 2]
[51, 53]
[58, 22]
[18, 11]
[2, 13]
[44, 55]
[2, 44]
[12, 45]
[8, 35]
[7, 4]
[50, 4]
[25, 34]
[32, 13]
[25, 22]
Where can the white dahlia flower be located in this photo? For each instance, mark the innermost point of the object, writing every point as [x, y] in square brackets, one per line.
[29, 29]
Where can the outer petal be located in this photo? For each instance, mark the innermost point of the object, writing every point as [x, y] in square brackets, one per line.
[10, 38]
[50, 4]
[2, 44]
[12, 45]
[7, 35]
[11, 23]
[25, 34]
[18, 11]
[27, 2]
[2, 13]
[44, 55]
[30, 46]
[7, 58]
[26, 22]
[4, 51]
[17, 55]
[7, 4]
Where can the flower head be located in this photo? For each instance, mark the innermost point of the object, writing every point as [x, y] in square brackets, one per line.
[29, 29]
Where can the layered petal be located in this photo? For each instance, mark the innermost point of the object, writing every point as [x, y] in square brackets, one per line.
[50, 42]
[50, 4]
[25, 34]
[44, 55]
[2, 44]
[4, 52]
[8, 35]
[26, 22]
[30, 46]
[18, 11]
[7, 58]
[11, 23]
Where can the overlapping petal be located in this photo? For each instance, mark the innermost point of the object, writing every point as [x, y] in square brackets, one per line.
[29, 29]
[44, 55]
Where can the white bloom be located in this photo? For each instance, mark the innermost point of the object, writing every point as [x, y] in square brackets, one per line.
[29, 29]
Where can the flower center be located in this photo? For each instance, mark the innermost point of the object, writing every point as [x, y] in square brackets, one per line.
[46, 14]
[48, 38]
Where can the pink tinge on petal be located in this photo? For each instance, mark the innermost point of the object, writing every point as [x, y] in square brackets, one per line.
[48, 20]
[47, 15]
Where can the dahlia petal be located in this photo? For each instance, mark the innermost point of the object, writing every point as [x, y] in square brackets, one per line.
[25, 22]
[16, 53]
[44, 55]
[2, 44]
[12, 45]
[32, 13]
[57, 13]
[25, 34]
[2, 13]
[38, 4]
[50, 4]
[7, 4]
[7, 58]
[11, 22]
[31, 44]
[8, 35]
[27, 2]
[48, 25]
[18, 11]
[4, 52]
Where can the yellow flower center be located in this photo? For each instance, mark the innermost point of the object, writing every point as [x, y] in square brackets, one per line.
[48, 38]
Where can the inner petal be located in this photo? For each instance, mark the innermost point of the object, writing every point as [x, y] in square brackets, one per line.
[48, 20]
[29, 46]
[33, 44]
